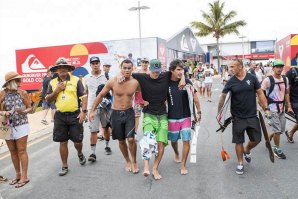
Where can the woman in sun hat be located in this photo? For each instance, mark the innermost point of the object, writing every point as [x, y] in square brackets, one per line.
[16, 105]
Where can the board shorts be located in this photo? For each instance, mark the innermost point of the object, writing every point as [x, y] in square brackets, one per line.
[179, 128]
[250, 125]
[278, 122]
[123, 124]
[67, 127]
[138, 109]
[155, 128]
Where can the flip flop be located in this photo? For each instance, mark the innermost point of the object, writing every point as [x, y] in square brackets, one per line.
[14, 181]
[21, 184]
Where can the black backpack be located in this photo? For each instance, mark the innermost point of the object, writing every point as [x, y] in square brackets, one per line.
[271, 88]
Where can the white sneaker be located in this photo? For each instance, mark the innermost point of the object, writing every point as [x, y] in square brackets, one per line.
[240, 169]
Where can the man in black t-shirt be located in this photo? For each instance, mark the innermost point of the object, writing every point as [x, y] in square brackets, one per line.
[154, 87]
[179, 113]
[292, 76]
[244, 87]
[252, 68]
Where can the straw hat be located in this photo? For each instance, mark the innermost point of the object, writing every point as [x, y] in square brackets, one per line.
[11, 76]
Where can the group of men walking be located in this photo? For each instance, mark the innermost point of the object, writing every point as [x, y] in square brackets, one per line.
[148, 87]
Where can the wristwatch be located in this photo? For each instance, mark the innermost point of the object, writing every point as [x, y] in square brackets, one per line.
[84, 110]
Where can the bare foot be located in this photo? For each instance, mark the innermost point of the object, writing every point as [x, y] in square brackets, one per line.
[135, 168]
[156, 175]
[176, 158]
[146, 173]
[128, 167]
[183, 171]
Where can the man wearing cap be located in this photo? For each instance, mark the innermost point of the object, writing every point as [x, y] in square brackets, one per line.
[66, 90]
[138, 100]
[208, 73]
[154, 88]
[122, 117]
[92, 81]
[276, 88]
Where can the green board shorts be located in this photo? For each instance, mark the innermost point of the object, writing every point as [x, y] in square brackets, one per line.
[157, 124]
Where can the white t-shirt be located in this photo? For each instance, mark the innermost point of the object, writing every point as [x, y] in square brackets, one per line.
[91, 84]
[208, 73]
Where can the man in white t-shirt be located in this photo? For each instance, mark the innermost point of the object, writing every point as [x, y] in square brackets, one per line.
[208, 73]
[92, 81]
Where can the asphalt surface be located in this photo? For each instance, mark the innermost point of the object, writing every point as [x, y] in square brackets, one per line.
[209, 177]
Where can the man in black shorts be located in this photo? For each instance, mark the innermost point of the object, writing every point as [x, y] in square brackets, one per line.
[244, 87]
[66, 90]
[292, 76]
[123, 117]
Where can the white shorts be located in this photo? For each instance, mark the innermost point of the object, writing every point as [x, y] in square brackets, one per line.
[95, 125]
[18, 132]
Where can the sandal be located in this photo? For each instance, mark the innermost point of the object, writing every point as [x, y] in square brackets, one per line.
[14, 181]
[63, 171]
[3, 179]
[21, 184]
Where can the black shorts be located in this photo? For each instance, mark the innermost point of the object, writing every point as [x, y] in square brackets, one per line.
[250, 125]
[123, 124]
[67, 127]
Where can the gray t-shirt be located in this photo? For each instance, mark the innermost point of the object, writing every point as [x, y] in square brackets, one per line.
[91, 84]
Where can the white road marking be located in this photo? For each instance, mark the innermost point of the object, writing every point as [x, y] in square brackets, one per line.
[193, 146]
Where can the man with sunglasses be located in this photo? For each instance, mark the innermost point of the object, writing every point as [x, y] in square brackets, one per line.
[122, 117]
[66, 90]
[243, 87]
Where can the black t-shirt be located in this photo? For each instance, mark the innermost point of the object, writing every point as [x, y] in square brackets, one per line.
[178, 105]
[243, 99]
[252, 71]
[154, 91]
[293, 81]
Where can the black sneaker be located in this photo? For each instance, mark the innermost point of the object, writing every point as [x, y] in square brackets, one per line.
[240, 169]
[108, 151]
[82, 159]
[290, 139]
[247, 157]
[278, 153]
[92, 158]
[63, 171]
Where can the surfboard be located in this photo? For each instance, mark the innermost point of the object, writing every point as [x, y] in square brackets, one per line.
[265, 133]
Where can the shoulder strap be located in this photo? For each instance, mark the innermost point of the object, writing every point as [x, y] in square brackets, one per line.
[285, 81]
[272, 84]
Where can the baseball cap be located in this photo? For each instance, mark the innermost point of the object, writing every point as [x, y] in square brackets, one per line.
[94, 59]
[207, 64]
[144, 59]
[155, 65]
[106, 64]
[278, 62]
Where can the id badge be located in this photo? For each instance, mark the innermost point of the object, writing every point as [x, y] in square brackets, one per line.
[63, 96]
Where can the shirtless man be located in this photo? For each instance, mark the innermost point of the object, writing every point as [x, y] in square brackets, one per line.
[123, 117]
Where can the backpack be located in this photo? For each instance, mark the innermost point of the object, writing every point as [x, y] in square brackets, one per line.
[294, 75]
[271, 88]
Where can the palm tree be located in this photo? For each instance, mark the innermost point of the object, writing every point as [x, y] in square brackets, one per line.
[217, 24]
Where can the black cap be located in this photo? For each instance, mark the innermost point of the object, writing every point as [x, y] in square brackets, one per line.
[94, 59]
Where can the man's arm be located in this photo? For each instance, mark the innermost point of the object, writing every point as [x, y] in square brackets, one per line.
[221, 101]
[263, 101]
[288, 103]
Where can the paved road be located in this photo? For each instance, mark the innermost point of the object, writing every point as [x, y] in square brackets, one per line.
[208, 178]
